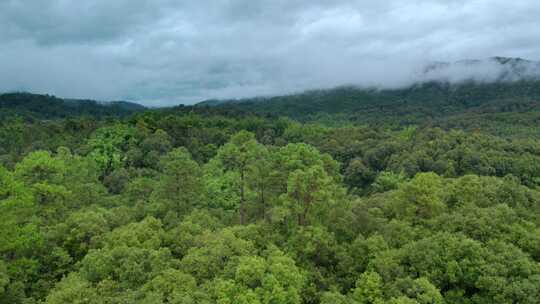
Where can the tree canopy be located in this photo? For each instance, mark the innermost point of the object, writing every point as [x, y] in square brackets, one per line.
[219, 205]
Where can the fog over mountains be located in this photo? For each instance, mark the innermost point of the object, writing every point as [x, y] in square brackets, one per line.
[474, 71]
[487, 70]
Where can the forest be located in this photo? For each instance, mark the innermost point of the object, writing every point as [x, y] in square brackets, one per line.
[323, 197]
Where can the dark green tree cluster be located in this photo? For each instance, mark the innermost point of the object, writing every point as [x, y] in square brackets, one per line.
[32, 106]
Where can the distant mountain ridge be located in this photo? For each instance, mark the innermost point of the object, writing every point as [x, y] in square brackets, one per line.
[463, 82]
[450, 74]
[48, 107]
[510, 99]
[494, 69]
[442, 89]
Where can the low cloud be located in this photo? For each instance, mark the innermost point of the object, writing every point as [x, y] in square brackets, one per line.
[164, 52]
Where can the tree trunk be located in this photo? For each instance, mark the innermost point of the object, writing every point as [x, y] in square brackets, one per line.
[242, 199]
[263, 203]
[304, 215]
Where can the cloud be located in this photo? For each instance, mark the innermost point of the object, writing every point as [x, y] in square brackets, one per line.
[164, 52]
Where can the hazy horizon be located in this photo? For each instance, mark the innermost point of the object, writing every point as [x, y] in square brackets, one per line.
[161, 53]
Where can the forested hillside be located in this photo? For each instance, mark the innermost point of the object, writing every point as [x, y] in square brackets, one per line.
[408, 201]
[500, 108]
[49, 107]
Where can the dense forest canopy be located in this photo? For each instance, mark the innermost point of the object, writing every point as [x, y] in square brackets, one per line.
[423, 195]
[501, 108]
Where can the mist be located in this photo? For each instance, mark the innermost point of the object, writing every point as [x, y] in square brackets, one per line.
[163, 52]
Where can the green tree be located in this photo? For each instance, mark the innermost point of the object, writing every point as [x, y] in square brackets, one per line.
[180, 187]
[309, 193]
[108, 146]
[420, 198]
[387, 180]
[274, 279]
[239, 156]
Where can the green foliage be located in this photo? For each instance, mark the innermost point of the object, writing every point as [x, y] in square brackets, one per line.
[274, 279]
[172, 286]
[387, 181]
[49, 107]
[369, 289]
[213, 251]
[108, 147]
[308, 193]
[493, 107]
[215, 205]
[74, 289]
[420, 198]
[180, 187]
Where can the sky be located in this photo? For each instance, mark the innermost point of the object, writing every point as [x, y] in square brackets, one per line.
[167, 52]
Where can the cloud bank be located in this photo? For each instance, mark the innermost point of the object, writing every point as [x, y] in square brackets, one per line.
[165, 52]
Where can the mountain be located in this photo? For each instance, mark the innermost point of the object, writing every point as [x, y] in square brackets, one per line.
[425, 100]
[494, 69]
[49, 107]
[508, 105]
[513, 88]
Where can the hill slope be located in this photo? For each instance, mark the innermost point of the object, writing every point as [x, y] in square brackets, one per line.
[49, 107]
[495, 85]
[424, 100]
[503, 108]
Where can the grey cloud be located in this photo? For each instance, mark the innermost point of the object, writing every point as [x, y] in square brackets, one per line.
[163, 52]
[65, 22]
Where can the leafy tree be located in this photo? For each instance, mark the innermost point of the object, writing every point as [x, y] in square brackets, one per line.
[369, 289]
[171, 286]
[307, 191]
[74, 289]
[239, 155]
[212, 252]
[108, 147]
[274, 279]
[81, 231]
[181, 186]
[421, 198]
[387, 181]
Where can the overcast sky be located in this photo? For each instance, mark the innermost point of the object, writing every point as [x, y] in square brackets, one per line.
[164, 52]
